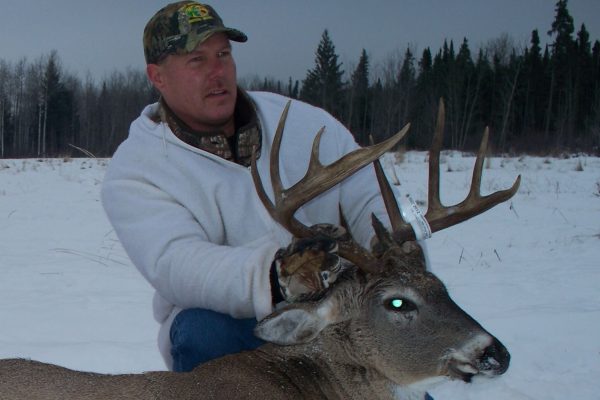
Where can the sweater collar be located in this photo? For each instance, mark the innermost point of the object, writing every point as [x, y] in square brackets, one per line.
[237, 148]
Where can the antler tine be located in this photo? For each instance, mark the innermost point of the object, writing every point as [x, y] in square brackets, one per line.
[277, 210]
[320, 178]
[433, 200]
[440, 217]
[296, 229]
[389, 198]
[274, 160]
[317, 180]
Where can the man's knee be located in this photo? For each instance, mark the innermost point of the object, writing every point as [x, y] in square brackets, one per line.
[199, 335]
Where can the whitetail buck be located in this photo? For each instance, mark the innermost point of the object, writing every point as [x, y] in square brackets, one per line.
[386, 330]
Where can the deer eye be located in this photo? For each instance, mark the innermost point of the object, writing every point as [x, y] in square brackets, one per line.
[399, 304]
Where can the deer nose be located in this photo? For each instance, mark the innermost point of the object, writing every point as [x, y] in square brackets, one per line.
[494, 360]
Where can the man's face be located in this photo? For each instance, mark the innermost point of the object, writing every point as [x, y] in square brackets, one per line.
[200, 87]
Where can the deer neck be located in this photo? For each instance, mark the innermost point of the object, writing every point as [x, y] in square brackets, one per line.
[328, 367]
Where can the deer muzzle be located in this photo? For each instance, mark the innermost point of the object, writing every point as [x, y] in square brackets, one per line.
[494, 360]
[488, 361]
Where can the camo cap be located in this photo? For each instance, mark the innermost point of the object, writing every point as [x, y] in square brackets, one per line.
[179, 27]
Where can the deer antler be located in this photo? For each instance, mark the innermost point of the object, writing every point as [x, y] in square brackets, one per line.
[318, 179]
[438, 216]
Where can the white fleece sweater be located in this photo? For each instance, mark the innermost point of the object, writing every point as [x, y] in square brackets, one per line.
[193, 225]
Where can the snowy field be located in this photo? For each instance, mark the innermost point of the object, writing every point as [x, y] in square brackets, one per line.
[528, 270]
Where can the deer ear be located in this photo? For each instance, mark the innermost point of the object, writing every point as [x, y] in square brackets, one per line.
[296, 323]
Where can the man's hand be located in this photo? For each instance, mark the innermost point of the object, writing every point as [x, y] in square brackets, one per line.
[307, 267]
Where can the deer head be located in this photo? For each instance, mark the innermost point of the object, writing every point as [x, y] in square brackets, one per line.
[387, 313]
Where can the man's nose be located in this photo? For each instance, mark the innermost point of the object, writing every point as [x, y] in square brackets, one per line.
[216, 67]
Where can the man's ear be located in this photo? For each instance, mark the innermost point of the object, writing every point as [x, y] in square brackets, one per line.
[155, 75]
[297, 322]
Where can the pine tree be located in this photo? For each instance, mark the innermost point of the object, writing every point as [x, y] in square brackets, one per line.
[425, 103]
[561, 107]
[466, 86]
[406, 83]
[584, 85]
[534, 76]
[56, 109]
[563, 28]
[378, 123]
[323, 85]
[358, 110]
[292, 89]
[595, 112]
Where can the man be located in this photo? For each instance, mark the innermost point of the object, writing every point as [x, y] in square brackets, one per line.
[180, 195]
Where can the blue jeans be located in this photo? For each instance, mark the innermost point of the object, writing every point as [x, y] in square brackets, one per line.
[199, 335]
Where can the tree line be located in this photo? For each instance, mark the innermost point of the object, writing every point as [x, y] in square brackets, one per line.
[534, 99]
[45, 111]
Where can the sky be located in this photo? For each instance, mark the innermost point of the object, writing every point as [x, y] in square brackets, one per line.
[102, 36]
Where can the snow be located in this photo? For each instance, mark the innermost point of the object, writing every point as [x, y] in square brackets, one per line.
[527, 270]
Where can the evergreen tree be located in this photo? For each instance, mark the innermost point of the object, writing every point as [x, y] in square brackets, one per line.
[486, 98]
[561, 113]
[535, 86]
[584, 87]
[425, 63]
[595, 112]
[358, 110]
[466, 92]
[563, 28]
[292, 89]
[378, 123]
[323, 85]
[56, 109]
[596, 62]
[425, 103]
[406, 83]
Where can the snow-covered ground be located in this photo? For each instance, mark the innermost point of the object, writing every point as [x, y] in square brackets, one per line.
[528, 270]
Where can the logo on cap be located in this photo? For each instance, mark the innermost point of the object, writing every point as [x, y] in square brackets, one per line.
[197, 12]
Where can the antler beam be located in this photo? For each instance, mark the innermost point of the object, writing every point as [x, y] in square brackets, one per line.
[438, 216]
[318, 179]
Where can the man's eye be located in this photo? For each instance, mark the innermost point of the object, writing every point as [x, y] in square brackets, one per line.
[224, 53]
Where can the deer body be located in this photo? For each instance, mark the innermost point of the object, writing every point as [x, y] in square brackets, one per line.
[251, 375]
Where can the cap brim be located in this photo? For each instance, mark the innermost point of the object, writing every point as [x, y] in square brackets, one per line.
[235, 35]
[232, 34]
[194, 38]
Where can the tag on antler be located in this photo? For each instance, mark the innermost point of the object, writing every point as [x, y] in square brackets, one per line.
[411, 213]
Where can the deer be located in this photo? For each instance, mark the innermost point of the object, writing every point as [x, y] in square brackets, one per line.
[387, 329]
